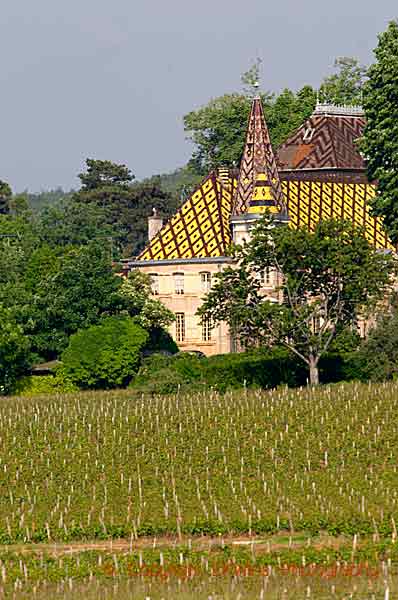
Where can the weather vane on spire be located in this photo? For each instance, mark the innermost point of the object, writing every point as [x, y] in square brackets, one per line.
[251, 79]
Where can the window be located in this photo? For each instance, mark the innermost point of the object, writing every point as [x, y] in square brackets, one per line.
[154, 283]
[316, 323]
[266, 276]
[205, 281]
[178, 283]
[206, 330]
[180, 327]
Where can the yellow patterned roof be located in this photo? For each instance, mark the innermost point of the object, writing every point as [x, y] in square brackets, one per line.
[310, 201]
[200, 228]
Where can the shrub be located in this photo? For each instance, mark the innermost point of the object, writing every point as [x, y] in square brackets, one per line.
[34, 385]
[165, 375]
[161, 374]
[160, 341]
[263, 369]
[106, 355]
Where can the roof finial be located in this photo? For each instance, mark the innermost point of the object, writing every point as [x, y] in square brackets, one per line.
[256, 87]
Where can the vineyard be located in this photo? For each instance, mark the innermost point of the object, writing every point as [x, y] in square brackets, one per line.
[109, 465]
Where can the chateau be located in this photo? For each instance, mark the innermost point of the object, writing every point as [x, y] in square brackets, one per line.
[318, 173]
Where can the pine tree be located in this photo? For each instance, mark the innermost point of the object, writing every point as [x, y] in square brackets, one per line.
[380, 141]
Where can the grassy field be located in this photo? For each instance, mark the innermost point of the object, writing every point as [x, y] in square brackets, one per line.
[307, 477]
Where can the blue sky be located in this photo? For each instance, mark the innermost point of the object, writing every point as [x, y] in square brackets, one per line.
[101, 79]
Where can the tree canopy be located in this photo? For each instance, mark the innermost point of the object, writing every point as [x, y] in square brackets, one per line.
[106, 355]
[325, 281]
[379, 143]
[5, 197]
[346, 85]
[123, 205]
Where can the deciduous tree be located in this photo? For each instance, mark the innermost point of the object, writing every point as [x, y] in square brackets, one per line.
[380, 140]
[326, 280]
[345, 86]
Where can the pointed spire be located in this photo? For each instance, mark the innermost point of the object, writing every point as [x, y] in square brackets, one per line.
[259, 187]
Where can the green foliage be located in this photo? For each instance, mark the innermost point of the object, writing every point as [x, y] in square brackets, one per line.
[74, 224]
[105, 355]
[81, 289]
[218, 129]
[147, 312]
[328, 278]
[378, 355]
[161, 374]
[47, 198]
[57, 276]
[293, 566]
[250, 79]
[5, 197]
[380, 140]
[178, 184]
[161, 341]
[124, 205]
[14, 350]
[345, 86]
[34, 385]
[103, 174]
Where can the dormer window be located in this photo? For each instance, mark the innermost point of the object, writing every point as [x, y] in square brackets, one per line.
[308, 134]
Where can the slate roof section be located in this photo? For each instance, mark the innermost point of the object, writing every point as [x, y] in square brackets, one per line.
[324, 141]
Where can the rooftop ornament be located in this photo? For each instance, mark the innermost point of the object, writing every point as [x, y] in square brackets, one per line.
[343, 110]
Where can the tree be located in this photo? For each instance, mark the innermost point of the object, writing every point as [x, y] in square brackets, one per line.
[345, 86]
[5, 197]
[103, 174]
[327, 279]
[76, 294]
[146, 311]
[106, 355]
[218, 129]
[74, 224]
[380, 140]
[14, 350]
[377, 358]
[126, 204]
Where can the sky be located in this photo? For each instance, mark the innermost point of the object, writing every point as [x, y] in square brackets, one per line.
[112, 79]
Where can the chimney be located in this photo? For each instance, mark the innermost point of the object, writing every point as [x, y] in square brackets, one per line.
[155, 224]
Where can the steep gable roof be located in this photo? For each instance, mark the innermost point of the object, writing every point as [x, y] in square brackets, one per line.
[200, 228]
[327, 140]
